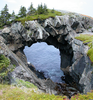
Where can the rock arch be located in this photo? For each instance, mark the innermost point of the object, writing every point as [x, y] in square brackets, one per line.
[60, 32]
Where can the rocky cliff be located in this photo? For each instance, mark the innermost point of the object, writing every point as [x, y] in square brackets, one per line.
[60, 32]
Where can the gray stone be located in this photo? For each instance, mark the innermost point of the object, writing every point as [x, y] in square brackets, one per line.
[60, 32]
[6, 30]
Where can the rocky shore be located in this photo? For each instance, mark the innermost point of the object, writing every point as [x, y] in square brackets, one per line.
[60, 32]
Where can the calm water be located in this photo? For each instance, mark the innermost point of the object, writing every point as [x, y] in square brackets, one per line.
[45, 58]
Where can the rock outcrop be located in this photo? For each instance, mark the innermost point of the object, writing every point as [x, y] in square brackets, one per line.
[21, 71]
[60, 32]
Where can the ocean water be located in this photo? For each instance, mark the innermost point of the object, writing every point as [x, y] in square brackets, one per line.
[45, 58]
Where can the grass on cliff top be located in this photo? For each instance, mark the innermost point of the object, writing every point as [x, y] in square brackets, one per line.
[88, 39]
[40, 16]
[8, 92]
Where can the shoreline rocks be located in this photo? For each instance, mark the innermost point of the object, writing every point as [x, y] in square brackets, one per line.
[60, 32]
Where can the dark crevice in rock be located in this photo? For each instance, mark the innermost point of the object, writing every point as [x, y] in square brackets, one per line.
[52, 41]
[66, 60]
[61, 27]
[75, 25]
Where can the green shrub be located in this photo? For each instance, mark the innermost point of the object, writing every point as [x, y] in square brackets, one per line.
[4, 63]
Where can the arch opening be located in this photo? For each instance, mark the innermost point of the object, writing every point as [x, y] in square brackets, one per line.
[46, 59]
[61, 42]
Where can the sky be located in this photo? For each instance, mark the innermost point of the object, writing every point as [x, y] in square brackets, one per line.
[79, 6]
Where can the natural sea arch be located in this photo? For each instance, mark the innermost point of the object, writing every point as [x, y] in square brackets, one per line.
[58, 32]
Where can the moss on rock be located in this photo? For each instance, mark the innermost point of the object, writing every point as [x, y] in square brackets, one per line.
[87, 39]
[90, 54]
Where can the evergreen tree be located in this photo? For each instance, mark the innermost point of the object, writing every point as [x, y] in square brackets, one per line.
[22, 11]
[53, 11]
[1, 22]
[4, 63]
[5, 16]
[13, 15]
[40, 9]
[31, 10]
[45, 9]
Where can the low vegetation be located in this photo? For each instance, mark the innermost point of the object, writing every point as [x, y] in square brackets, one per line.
[38, 16]
[10, 92]
[88, 96]
[26, 84]
[87, 39]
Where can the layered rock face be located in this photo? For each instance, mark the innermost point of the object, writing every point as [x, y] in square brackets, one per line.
[60, 32]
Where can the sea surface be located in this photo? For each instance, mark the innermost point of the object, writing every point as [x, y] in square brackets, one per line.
[45, 58]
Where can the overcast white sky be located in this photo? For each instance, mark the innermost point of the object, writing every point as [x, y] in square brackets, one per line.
[78, 6]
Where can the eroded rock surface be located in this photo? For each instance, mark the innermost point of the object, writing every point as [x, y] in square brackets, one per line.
[60, 32]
